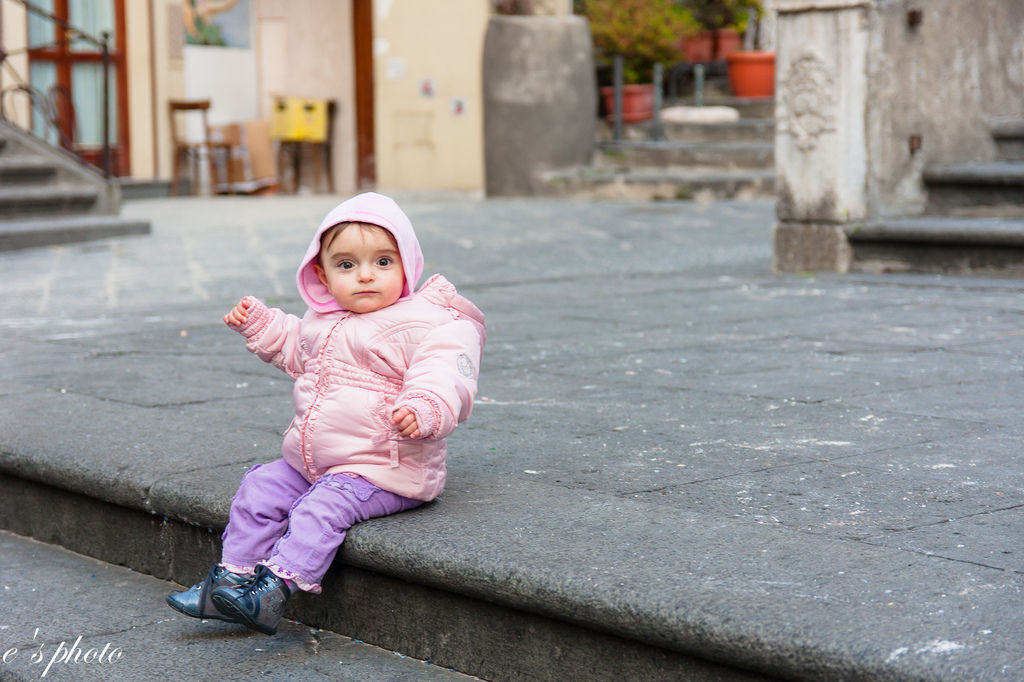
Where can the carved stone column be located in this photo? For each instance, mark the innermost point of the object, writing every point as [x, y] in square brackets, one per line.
[821, 150]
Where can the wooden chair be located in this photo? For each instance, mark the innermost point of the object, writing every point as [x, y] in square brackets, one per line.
[191, 152]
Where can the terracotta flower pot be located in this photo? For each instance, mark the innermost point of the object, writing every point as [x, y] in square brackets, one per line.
[728, 41]
[751, 73]
[637, 102]
[699, 48]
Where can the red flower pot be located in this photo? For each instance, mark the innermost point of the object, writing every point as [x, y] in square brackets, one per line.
[698, 48]
[752, 74]
[637, 102]
[729, 41]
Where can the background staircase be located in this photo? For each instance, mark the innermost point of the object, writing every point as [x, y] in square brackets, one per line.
[680, 160]
[49, 197]
[973, 222]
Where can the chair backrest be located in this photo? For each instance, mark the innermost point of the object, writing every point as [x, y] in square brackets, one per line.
[179, 136]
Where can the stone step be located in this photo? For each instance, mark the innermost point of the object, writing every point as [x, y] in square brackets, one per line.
[980, 184]
[936, 244]
[659, 183]
[132, 188]
[53, 597]
[22, 202]
[743, 130]
[665, 153]
[48, 231]
[748, 107]
[448, 588]
[1008, 133]
[23, 170]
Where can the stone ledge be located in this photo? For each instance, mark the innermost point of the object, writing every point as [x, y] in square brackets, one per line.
[26, 234]
[509, 571]
[940, 230]
[1005, 173]
[1007, 127]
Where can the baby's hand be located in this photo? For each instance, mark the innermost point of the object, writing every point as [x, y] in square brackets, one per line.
[405, 421]
[239, 315]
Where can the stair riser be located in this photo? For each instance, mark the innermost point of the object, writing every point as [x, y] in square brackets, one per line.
[724, 132]
[760, 131]
[747, 108]
[945, 259]
[1010, 149]
[30, 239]
[945, 197]
[646, 190]
[456, 631]
[754, 108]
[27, 176]
[21, 208]
[664, 158]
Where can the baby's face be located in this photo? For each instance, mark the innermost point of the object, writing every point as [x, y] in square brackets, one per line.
[361, 267]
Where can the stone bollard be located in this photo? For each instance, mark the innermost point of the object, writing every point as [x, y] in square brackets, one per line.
[540, 100]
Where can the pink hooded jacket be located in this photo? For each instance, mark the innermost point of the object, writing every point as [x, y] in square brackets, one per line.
[352, 371]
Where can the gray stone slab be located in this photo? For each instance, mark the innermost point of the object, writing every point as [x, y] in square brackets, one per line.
[118, 452]
[990, 538]
[69, 617]
[845, 499]
[725, 587]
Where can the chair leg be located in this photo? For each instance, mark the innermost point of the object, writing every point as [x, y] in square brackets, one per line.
[197, 184]
[176, 172]
[329, 166]
[210, 162]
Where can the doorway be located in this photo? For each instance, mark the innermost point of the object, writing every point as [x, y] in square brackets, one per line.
[362, 27]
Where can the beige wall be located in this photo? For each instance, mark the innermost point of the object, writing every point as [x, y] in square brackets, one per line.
[140, 105]
[429, 141]
[13, 20]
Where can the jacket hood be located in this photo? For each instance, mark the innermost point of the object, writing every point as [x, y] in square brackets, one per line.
[372, 208]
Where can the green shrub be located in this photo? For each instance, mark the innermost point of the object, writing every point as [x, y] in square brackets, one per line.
[642, 31]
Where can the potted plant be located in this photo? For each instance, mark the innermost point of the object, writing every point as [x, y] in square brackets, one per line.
[751, 72]
[643, 32]
[721, 24]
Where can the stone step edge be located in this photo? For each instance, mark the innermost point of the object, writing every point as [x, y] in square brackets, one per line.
[591, 174]
[1007, 127]
[495, 546]
[940, 230]
[373, 571]
[22, 234]
[1004, 173]
[25, 163]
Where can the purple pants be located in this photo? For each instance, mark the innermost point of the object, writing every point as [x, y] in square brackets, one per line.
[278, 519]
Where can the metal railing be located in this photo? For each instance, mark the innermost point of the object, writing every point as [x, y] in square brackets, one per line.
[47, 104]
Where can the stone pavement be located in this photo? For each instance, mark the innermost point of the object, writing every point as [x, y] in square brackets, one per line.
[679, 465]
[109, 630]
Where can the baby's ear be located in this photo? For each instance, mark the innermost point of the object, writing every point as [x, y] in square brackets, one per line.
[320, 274]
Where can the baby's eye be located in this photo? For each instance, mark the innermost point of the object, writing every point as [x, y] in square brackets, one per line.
[346, 265]
[384, 261]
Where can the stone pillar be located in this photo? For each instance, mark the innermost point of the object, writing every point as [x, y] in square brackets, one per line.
[821, 150]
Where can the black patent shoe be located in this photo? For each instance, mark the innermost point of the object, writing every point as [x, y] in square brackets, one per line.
[258, 604]
[195, 601]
